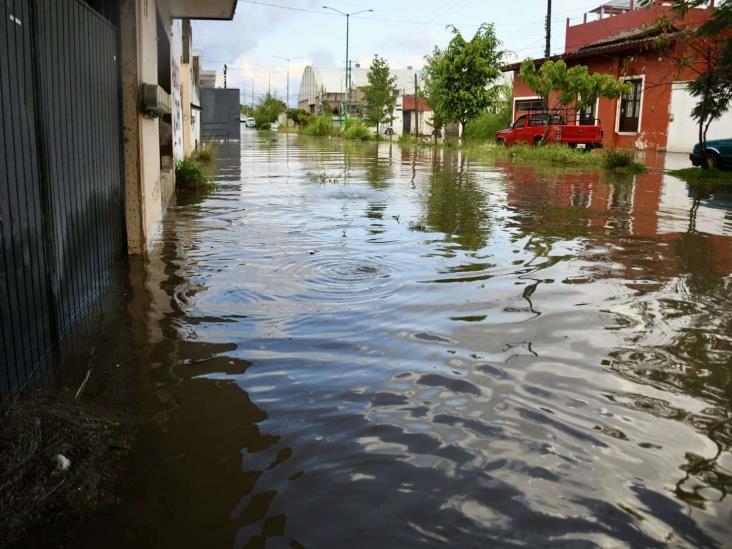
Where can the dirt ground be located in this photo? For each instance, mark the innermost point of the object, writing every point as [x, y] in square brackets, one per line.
[94, 427]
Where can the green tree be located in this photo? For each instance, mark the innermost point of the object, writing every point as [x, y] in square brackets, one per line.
[572, 87]
[379, 93]
[267, 110]
[460, 81]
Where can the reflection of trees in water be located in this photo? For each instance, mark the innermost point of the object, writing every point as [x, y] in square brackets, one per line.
[378, 171]
[456, 205]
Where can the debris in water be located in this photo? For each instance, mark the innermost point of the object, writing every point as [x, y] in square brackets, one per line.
[61, 463]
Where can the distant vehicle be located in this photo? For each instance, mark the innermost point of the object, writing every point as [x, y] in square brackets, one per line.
[718, 154]
[251, 123]
[544, 127]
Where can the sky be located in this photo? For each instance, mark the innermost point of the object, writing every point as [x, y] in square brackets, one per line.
[401, 31]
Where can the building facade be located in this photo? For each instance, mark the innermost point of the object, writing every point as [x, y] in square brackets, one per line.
[624, 41]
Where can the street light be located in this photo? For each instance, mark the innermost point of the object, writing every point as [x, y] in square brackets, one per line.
[348, 68]
[288, 74]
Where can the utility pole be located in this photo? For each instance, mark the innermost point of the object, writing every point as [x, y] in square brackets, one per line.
[416, 109]
[225, 68]
[348, 68]
[547, 49]
[287, 59]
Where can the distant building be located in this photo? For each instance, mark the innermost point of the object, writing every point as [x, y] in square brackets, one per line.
[208, 78]
[619, 38]
[324, 90]
[412, 115]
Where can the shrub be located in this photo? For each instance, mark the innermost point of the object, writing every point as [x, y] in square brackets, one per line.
[355, 129]
[484, 127]
[300, 117]
[204, 154]
[190, 175]
[617, 158]
[621, 160]
[321, 126]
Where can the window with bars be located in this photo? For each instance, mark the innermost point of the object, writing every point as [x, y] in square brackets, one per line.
[630, 107]
[525, 105]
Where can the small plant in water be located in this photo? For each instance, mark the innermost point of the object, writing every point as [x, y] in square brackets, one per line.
[204, 154]
[190, 175]
[621, 160]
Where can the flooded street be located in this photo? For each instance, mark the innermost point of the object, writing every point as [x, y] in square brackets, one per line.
[360, 345]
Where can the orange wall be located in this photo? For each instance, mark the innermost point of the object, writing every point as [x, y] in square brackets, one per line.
[659, 71]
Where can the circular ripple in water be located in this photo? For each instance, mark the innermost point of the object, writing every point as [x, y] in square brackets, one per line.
[353, 280]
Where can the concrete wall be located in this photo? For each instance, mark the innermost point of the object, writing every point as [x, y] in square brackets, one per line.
[683, 132]
[425, 117]
[148, 188]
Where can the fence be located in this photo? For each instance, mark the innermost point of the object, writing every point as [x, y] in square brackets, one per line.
[61, 195]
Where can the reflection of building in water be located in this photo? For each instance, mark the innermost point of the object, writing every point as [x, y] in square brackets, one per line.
[651, 206]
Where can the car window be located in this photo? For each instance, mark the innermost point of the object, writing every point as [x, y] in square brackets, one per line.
[520, 121]
[541, 119]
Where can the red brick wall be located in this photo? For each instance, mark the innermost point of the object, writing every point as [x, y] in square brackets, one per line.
[586, 33]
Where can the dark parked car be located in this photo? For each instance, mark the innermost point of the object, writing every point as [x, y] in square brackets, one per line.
[718, 154]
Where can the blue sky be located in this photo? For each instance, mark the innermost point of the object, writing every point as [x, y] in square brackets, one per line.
[402, 31]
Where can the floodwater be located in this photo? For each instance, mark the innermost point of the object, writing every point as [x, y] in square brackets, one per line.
[356, 345]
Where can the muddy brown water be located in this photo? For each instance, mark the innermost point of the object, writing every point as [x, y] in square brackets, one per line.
[366, 346]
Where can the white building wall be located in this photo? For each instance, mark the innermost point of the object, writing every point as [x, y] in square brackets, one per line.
[683, 132]
[176, 51]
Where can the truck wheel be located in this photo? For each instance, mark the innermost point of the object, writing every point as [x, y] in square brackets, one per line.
[538, 140]
[711, 161]
[501, 142]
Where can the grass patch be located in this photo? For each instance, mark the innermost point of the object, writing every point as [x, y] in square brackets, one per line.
[699, 175]
[190, 176]
[356, 130]
[552, 155]
[320, 126]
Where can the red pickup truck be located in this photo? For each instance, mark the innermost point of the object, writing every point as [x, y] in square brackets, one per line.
[533, 129]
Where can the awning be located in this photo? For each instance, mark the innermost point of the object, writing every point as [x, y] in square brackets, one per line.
[196, 9]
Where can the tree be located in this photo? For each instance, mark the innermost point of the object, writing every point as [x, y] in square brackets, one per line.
[705, 51]
[267, 110]
[379, 93]
[572, 87]
[460, 80]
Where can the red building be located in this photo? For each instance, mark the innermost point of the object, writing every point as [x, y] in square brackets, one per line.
[623, 41]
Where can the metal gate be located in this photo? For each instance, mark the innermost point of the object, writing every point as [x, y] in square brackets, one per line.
[61, 196]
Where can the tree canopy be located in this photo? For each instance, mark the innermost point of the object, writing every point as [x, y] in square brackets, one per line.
[460, 81]
[379, 93]
[575, 86]
[268, 109]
